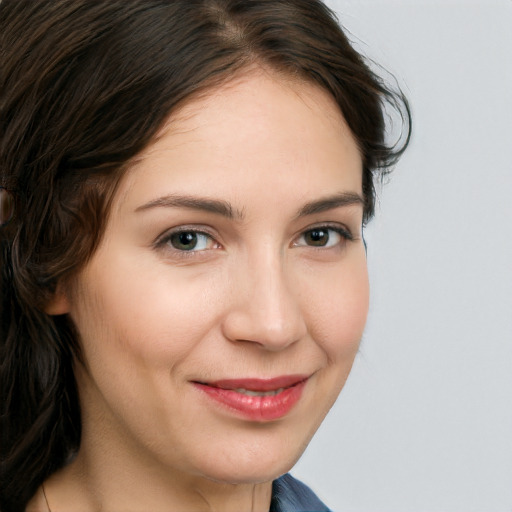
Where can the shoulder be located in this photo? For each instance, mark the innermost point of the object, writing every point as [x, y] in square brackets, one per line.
[290, 495]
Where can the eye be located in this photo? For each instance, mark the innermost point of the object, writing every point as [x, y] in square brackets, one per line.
[189, 241]
[323, 236]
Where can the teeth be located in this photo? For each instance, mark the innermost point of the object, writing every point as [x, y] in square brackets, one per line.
[249, 392]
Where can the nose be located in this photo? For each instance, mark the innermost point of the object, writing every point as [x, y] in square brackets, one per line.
[265, 307]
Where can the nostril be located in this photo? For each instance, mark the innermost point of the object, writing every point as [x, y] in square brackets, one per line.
[266, 308]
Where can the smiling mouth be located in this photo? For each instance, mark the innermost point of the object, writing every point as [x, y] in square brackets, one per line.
[249, 392]
[256, 399]
[256, 386]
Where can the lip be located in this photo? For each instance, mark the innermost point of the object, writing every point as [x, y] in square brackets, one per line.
[281, 394]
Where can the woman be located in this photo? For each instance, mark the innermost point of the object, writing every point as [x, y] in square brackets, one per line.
[184, 279]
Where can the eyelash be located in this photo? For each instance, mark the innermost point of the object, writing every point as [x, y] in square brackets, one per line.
[165, 241]
[344, 234]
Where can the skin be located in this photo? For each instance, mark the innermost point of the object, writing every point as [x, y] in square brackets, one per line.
[254, 298]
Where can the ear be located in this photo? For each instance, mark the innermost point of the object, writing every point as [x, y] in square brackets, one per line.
[59, 303]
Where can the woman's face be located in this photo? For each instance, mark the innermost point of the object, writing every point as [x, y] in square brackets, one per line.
[222, 311]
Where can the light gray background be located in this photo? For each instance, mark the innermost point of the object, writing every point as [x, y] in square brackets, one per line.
[425, 420]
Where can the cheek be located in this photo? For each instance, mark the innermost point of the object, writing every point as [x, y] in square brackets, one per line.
[150, 318]
[337, 309]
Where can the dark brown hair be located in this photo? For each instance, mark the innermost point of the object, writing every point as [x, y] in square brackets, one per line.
[84, 87]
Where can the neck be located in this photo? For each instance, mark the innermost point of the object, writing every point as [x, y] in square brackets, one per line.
[84, 488]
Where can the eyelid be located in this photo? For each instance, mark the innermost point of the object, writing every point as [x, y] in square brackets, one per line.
[341, 229]
[163, 239]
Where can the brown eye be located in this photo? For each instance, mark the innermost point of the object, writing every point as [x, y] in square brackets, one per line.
[323, 237]
[318, 237]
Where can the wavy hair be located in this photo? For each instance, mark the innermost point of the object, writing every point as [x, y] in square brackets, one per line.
[84, 88]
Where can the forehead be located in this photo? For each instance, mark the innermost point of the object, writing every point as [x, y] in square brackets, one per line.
[259, 127]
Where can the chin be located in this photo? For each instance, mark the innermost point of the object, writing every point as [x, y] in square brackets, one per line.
[255, 464]
[247, 474]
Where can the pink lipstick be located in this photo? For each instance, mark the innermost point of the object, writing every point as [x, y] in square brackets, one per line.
[257, 399]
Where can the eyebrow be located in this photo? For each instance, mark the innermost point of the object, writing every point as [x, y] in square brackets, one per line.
[225, 209]
[194, 203]
[330, 203]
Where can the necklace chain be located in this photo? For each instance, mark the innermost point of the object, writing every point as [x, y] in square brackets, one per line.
[45, 498]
